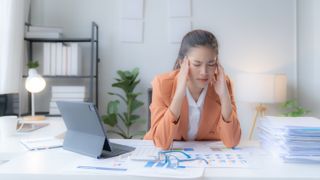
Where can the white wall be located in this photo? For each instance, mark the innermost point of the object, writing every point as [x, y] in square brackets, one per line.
[255, 36]
[309, 55]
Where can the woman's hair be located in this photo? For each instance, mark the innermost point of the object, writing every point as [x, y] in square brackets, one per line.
[196, 38]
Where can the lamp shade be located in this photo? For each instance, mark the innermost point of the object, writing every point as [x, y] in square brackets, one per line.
[261, 88]
[34, 83]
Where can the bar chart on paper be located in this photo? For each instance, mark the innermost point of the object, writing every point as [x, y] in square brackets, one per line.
[215, 160]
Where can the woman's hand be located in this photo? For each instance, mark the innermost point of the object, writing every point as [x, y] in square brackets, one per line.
[219, 81]
[183, 76]
[221, 88]
[180, 92]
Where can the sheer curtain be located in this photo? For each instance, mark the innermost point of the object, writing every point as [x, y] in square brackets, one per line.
[12, 18]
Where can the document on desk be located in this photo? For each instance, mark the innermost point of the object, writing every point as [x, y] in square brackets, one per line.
[115, 165]
[216, 154]
[42, 143]
[124, 166]
[179, 173]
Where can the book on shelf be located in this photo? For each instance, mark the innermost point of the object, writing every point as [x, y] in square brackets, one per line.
[44, 32]
[45, 29]
[68, 95]
[49, 35]
[61, 59]
[75, 67]
[53, 60]
[65, 93]
[46, 59]
[59, 89]
[64, 65]
[53, 108]
[59, 64]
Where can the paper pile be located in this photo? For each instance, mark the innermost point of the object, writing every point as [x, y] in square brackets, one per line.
[294, 139]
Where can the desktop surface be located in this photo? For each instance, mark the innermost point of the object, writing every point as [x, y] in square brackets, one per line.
[59, 163]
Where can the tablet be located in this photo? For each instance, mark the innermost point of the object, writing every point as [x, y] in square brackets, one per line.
[85, 132]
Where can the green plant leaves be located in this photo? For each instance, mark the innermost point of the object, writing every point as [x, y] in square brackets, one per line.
[112, 111]
[293, 109]
[33, 64]
[110, 119]
[127, 82]
[119, 95]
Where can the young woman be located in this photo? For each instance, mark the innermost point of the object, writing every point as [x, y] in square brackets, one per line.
[195, 100]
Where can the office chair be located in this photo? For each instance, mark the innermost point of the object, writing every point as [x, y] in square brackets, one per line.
[3, 104]
[9, 104]
[149, 113]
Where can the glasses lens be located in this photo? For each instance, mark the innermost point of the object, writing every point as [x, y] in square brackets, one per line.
[161, 156]
[173, 161]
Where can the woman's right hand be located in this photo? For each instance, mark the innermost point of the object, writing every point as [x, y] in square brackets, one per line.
[183, 76]
[178, 97]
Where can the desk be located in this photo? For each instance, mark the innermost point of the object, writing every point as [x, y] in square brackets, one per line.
[50, 164]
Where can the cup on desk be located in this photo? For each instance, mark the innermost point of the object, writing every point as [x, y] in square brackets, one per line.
[8, 126]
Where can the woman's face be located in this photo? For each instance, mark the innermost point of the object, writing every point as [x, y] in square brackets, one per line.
[203, 64]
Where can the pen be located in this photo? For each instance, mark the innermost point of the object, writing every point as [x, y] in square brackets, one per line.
[102, 168]
[43, 148]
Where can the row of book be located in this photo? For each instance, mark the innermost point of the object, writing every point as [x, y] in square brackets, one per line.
[65, 93]
[61, 59]
[43, 32]
[293, 139]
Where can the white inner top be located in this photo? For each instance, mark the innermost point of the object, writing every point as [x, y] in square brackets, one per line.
[195, 109]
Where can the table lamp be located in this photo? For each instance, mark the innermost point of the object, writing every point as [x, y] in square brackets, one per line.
[34, 84]
[261, 89]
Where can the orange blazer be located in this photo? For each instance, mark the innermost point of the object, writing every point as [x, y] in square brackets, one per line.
[165, 127]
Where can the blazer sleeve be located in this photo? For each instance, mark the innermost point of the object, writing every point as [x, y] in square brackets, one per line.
[230, 132]
[163, 122]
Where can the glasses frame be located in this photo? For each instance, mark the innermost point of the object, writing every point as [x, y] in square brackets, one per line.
[168, 154]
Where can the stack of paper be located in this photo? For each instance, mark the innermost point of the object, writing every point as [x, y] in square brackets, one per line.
[42, 143]
[66, 93]
[294, 139]
[44, 32]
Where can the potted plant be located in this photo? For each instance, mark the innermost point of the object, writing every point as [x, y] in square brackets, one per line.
[122, 122]
[33, 64]
[293, 109]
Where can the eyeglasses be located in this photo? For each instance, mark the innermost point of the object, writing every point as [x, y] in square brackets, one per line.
[173, 158]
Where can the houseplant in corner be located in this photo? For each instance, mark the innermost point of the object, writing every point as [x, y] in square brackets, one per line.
[122, 122]
[293, 109]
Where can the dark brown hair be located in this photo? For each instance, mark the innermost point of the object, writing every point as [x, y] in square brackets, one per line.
[196, 38]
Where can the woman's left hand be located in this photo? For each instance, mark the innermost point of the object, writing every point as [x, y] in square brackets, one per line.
[220, 86]
[219, 81]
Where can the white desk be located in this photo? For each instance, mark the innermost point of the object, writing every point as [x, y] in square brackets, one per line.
[50, 164]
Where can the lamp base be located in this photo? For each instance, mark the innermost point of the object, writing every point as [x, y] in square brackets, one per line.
[34, 118]
[260, 110]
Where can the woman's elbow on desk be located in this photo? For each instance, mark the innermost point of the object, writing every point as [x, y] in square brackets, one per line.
[232, 140]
